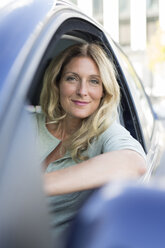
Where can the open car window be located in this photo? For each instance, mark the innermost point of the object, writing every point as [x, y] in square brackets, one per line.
[75, 31]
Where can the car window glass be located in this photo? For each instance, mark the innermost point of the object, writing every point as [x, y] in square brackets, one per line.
[140, 98]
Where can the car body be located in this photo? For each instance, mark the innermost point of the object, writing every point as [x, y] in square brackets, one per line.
[31, 34]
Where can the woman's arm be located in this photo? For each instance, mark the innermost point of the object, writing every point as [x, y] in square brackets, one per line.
[123, 164]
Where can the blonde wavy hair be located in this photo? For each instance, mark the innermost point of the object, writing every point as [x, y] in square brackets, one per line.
[100, 120]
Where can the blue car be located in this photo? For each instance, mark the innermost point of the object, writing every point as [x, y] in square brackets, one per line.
[32, 32]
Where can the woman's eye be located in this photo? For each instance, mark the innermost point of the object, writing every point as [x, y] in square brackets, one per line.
[70, 78]
[94, 81]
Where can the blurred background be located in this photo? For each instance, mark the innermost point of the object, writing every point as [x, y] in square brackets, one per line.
[139, 27]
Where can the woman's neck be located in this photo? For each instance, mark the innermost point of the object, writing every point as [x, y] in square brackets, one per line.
[65, 128]
[70, 125]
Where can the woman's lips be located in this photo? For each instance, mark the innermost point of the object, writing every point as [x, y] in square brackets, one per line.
[80, 103]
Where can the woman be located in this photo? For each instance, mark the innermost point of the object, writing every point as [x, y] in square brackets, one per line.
[80, 142]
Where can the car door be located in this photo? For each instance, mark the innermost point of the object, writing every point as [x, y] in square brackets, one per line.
[23, 213]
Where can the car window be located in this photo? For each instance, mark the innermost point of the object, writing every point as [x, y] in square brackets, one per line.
[77, 30]
[143, 107]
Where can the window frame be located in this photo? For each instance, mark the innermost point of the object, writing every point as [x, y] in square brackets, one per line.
[85, 29]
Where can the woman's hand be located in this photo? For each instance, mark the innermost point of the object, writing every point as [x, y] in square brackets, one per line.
[93, 173]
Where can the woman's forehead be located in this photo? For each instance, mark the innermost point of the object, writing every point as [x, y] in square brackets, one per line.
[82, 64]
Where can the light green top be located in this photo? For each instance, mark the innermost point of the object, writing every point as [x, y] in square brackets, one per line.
[63, 208]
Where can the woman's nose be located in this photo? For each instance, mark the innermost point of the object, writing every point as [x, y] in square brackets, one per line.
[82, 88]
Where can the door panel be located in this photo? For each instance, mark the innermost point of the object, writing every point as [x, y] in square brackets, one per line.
[23, 213]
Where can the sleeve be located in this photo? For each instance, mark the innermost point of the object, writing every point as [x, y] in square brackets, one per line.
[116, 137]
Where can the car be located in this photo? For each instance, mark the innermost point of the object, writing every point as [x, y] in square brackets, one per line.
[32, 33]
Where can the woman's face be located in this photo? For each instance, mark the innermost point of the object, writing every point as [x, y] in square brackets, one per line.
[80, 87]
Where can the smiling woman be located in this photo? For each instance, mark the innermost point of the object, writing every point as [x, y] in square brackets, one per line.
[81, 144]
[84, 60]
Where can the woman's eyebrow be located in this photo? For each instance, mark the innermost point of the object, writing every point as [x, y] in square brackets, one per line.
[95, 75]
[77, 75]
[70, 72]
[91, 75]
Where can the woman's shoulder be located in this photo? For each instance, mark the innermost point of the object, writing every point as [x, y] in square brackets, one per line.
[117, 137]
[108, 136]
[115, 128]
[116, 133]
